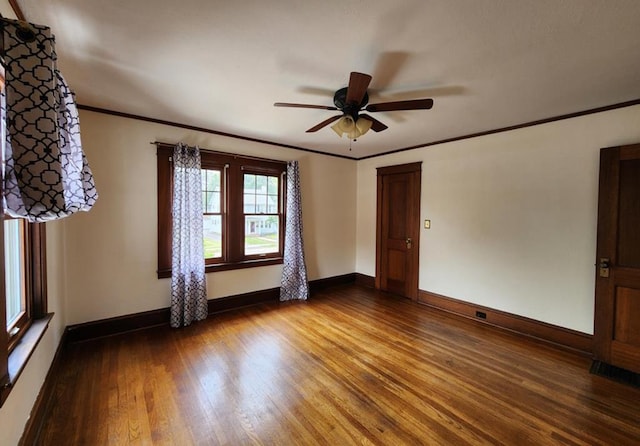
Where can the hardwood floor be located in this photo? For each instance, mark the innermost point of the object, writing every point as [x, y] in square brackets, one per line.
[350, 366]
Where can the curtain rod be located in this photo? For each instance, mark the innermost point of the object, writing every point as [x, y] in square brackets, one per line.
[17, 10]
[234, 155]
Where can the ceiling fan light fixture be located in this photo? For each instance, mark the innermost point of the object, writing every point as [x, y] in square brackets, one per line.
[353, 129]
[343, 125]
[363, 125]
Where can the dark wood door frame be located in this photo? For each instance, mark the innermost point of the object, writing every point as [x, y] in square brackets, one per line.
[616, 325]
[413, 224]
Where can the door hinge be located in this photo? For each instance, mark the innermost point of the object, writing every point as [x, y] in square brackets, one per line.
[604, 267]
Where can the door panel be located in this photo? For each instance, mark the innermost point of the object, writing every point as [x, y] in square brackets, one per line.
[398, 229]
[617, 311]
[398, 188]
[627, 315]
[629, 220]
[395, 265]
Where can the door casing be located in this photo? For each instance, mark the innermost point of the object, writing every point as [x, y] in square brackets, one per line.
[617, 291]
[414, 174]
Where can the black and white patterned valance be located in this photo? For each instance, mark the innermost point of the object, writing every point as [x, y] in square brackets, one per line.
[46, 174]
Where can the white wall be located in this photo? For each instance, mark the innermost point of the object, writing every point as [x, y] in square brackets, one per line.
[513, 216]
[111, 252]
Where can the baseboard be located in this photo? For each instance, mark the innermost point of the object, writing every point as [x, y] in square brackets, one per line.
[159, 317]
[116, 325]
[319, 285]
[561, 336]
[365, 281]
[43, 401]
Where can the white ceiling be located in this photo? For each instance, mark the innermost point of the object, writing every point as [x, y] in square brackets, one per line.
[222, 64]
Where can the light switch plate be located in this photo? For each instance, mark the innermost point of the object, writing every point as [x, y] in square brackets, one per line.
[427, 224]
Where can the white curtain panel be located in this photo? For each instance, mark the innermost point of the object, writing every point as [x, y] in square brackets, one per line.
[188, 281]
[47, 176]
[294, 283]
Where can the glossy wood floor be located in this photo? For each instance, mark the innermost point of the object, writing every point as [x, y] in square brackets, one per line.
[350, 366]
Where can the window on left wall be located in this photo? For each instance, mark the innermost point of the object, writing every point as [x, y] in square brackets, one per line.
[18, 315]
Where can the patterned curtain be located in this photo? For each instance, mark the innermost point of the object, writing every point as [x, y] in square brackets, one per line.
[188, 281]
[47, 176]
[294, 283]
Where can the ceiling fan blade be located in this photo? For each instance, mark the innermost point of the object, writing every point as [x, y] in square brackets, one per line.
[415, 104]
[376, 125]
[324, 123]
[288, 104]
[358, 84]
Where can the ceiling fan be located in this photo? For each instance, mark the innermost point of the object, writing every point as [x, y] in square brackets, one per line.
[351, 101]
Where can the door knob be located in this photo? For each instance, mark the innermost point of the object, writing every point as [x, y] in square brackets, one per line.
[408, 241]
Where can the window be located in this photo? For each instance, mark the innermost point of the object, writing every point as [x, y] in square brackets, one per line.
[243, 210]
[18, 309]
[212, 212]
[261, 210]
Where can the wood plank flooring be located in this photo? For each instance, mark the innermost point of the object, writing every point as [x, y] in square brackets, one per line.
[350, 366]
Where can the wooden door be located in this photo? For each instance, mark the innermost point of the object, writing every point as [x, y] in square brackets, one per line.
[617, 310]
[398, 210]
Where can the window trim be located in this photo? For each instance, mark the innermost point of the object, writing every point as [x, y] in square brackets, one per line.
[24, 321]
[234, 241]
[223, 204]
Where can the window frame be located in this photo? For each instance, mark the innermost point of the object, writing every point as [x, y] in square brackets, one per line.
[24, 321]
[211, 165]
[253, 170]
[232, 167]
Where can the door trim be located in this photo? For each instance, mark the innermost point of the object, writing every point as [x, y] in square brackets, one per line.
[414, 225]
[605, 348]
[606, 240]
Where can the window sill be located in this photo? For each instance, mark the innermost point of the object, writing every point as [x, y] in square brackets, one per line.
[211, 268]
[23, 350]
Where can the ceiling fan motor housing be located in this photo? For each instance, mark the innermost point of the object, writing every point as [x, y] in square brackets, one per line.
[340, 99]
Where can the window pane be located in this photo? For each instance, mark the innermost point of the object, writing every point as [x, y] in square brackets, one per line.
[261, 184]
[212, 234]
[14, 269]
[214, 203]
[207, 204]
[249, 204]
[213, 180]
[261, 204]
[272, 203]
[249, 183]
[211, 188]
[261, 234]
[273, 186]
